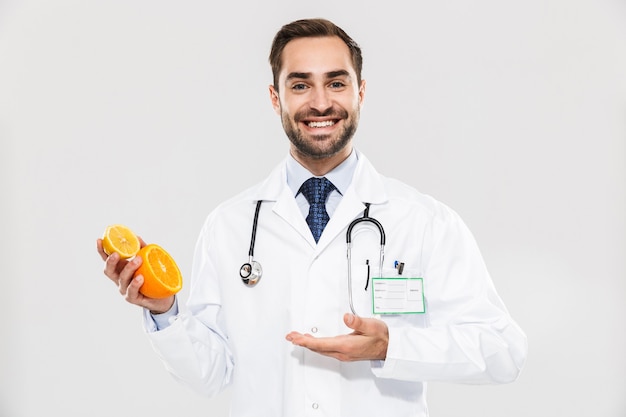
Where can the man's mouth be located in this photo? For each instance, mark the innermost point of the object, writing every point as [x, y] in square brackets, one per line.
[325, 123]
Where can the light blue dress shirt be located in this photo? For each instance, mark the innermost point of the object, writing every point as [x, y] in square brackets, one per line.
[340, 176]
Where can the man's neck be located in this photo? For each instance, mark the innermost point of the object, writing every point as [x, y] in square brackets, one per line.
[322, 166]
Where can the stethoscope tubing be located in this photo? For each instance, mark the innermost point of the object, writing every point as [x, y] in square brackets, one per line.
[381, 230]
[254, 228]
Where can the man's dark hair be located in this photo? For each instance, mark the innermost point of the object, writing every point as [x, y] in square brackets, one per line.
[310, 28]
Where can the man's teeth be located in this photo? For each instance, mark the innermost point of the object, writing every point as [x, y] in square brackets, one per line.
[321, 124]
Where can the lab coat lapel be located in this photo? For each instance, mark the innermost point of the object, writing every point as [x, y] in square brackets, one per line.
[287, 208]
[368, 183]
[275, 189]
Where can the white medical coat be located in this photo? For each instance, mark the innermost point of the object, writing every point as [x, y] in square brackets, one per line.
[231, 334]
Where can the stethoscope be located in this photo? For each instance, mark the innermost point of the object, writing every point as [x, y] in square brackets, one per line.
[252, 271]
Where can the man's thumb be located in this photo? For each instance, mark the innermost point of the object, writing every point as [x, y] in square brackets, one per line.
[351, 321]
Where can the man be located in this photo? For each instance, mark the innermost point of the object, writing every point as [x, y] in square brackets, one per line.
[285, 342]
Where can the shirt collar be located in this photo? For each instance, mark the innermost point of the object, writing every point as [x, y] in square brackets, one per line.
[340, 176]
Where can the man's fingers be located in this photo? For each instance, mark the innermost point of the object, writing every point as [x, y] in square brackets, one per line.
[101, 251]
[126, 275]
[294, 337]
[132, 294]
[335, 347]
[110, 267]
[318, 344]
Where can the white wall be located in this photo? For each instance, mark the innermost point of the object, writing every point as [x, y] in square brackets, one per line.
[513, 113]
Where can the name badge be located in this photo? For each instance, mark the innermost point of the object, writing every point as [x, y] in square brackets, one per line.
[398, 295]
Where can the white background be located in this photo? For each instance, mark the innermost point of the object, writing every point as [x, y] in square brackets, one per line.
[149, 113]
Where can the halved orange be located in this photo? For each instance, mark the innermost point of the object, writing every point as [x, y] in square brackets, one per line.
[119, 238]
[161, 276]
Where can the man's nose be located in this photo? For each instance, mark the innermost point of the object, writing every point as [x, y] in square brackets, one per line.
[320, 100]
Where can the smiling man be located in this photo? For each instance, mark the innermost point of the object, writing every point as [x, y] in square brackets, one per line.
[311, 332]
[318, 96]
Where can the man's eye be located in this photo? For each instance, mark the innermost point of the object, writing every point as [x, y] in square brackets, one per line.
[337, 84]
[298, 87]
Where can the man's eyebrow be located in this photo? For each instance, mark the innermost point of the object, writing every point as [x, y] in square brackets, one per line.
[338, 73]
[303, 75]
[307, 75]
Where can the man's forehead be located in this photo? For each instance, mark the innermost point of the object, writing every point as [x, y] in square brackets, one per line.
[316, 56]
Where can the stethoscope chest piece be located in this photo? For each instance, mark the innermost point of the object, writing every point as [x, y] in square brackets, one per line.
[251, 273]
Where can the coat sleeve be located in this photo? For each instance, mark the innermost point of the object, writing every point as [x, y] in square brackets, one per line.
[194, 348]
[469, 335]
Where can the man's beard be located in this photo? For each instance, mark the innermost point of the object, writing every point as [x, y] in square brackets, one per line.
[309, 145]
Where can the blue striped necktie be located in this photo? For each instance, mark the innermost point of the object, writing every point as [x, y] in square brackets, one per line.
[316, 191]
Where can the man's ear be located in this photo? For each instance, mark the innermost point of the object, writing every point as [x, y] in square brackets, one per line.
[275, 99]
[362, 92]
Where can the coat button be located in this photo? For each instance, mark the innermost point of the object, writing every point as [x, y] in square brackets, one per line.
[315, 406]
[313, 329]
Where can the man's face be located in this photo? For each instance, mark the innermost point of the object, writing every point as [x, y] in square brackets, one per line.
[318, 97]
